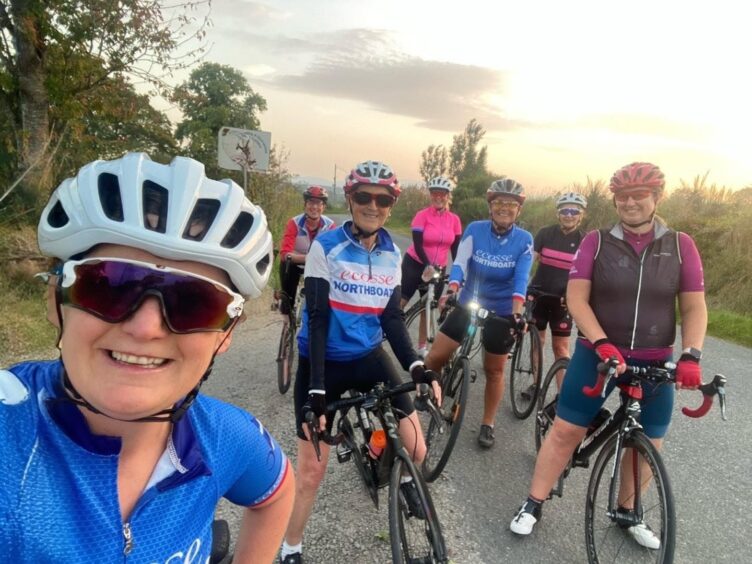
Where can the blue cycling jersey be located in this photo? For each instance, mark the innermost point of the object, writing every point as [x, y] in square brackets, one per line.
[360, 285]
[494, 268]
[58, 481]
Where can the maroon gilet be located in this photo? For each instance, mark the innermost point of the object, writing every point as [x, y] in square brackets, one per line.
[634, 296]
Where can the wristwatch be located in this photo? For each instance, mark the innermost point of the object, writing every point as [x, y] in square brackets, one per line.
[693, 352]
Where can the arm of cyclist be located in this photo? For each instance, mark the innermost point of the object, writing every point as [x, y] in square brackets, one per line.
[419, 249]
[455, 246]
[393, 325]
[694, 313]
[316, 287]
[287, 246]
[263, 525]
[694, 316]
[578, 302]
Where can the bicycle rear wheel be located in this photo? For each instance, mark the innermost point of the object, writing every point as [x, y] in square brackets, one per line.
[439, 446]
[547, 398]
[607, 530]
[414, 539]
[285, 358]
[525, 373]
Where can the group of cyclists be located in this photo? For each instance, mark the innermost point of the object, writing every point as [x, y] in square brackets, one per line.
[152, 265]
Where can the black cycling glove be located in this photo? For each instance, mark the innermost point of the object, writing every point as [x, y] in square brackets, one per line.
[316, 403]
[421, 375]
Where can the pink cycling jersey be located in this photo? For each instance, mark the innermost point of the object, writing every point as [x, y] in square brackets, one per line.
[439, 228]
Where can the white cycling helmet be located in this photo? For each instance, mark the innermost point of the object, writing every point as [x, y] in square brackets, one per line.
[572, 198]
[507, 187]
[172, 211]
[440, 183]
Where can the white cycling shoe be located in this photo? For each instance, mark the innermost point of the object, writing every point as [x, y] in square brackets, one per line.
[644, 536]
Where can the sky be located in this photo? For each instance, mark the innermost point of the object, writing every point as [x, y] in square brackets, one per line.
[565, 90]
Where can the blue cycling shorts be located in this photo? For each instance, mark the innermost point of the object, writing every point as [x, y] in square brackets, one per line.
[575, 407]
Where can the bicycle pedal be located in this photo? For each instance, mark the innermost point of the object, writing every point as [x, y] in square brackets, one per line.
[343, 454]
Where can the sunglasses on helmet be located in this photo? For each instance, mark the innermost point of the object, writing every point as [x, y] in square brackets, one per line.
[112, 289]
[365, 198]
[570, 211]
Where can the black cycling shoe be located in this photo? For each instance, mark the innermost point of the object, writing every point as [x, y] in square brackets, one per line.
[294, 558]
[486, 436]
[410, 493]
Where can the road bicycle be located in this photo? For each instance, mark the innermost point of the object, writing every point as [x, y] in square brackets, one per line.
[455, 384]
[629, 485]
[415, 532]
[286, 349]
[526, 364]
[423, 318]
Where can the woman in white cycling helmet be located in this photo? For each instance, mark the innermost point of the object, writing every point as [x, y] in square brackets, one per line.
[436, 233]
[554, 249]
[113, 439]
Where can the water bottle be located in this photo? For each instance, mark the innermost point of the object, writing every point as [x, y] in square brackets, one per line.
[377, 443]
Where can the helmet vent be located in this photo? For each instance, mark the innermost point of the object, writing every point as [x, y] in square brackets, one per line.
[57, 216]
[238, 231]
[262, 265]
[155, 207]
[109, 196]
[201, 219]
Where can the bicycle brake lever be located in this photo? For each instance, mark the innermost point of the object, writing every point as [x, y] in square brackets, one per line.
[313, 430]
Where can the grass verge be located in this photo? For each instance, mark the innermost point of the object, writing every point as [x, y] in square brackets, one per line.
[730, 327]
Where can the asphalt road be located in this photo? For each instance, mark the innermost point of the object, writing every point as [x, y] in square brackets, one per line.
[709, 462]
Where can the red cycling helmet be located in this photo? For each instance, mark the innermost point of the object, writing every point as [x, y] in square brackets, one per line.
[638, 175]
[316, 192]
[374, 173]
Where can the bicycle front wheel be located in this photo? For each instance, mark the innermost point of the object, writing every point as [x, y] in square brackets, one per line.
[525, 372]
[439, 445]
[414, 317]
[285, 358]
[414, 527]
[547, 398]
[630, 517]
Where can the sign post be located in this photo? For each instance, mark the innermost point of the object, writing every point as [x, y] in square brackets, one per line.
[243, 149]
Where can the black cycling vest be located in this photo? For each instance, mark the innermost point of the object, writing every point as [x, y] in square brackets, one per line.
[634, 296]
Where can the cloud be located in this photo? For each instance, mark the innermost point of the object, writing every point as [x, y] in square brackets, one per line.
[439, 95]
[247, 11]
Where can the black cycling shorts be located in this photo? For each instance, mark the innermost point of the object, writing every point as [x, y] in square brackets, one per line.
[497, 335]
[412, 271]
[361, 374]
[549, 310]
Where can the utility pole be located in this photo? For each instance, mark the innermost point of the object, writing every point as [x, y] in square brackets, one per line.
[334, 185]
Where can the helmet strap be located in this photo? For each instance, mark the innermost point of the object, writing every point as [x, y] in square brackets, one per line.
[172, 415]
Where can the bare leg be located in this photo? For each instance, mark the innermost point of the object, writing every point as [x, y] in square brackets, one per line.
[493, 365]
[309, 475]
[554, 455]
[411, 434]
[627, 483]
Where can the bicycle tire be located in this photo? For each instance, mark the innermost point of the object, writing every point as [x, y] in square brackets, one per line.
[358, 449]
[285, 358]
[412, 322]
[454, 402]
[413, 539]
[525, 373]
[547, 398]
[606, 540]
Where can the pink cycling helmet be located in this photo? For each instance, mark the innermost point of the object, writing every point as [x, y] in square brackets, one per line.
[373, 173]
[638, 175]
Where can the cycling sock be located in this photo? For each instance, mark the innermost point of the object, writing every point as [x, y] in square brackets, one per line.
[288, 549]
[406, 479]
[535, 500]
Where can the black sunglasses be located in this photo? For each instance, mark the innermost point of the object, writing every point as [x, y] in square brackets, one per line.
[365, 198]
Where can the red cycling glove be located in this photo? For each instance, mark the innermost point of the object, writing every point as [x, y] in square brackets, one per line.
[606, 351]
[688, 372]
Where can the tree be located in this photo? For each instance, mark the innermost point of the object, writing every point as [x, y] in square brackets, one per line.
[465, 159]
[54, 52]
[214, 96]
[433, 162]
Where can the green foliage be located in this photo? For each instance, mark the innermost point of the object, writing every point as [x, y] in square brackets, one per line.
[412, 200]
[465, 159]
[214, 96]
[433, 162]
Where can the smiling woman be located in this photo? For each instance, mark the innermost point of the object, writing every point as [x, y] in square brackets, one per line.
[156, 264]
